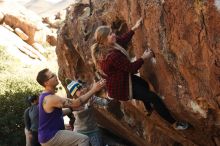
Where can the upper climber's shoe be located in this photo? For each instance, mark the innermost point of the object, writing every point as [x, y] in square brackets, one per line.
[180, 125]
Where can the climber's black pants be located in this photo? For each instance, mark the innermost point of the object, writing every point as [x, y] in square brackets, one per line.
[34, 140]
[141, 92]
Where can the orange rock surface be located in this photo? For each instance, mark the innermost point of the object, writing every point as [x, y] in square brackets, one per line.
[185, 37]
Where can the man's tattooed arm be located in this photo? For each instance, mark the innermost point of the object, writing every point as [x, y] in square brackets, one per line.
[67, 103]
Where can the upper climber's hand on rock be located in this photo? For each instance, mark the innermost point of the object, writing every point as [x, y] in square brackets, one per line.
[137, 24]
[147, 54]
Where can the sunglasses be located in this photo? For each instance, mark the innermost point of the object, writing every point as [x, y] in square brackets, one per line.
[53, 75]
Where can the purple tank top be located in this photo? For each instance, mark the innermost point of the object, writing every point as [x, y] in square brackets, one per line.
[49, 123]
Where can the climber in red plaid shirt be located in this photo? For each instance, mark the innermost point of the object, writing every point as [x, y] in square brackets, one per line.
[113, 63]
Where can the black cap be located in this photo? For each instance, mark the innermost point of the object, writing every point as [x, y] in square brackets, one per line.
[32, 98]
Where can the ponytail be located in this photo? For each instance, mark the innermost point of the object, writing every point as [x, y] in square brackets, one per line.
[101, 48]
[98, 54]
[95, 53]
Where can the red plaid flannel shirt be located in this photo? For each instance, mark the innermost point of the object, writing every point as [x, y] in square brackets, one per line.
[117, 68]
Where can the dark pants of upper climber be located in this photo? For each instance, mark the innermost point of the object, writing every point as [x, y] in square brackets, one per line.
[142, 92]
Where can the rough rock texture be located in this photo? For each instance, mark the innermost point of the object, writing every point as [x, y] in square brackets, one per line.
[184, 36]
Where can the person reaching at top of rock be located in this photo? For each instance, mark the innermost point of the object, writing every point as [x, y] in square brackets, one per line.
[51, 125]
[113, 63]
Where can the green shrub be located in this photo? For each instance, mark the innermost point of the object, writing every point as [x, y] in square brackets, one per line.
[12, 101]
[16, 84]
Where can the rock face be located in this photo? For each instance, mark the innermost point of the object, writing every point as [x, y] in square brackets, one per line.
[185, 37]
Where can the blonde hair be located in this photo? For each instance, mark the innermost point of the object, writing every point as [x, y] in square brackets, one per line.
[100, 49]
[101, 34]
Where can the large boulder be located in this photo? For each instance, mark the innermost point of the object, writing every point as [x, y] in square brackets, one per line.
[184, 35]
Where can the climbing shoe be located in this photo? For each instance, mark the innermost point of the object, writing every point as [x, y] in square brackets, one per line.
[180, 125]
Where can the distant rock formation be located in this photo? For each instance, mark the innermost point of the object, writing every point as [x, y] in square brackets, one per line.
[184, 36]
[30, 27]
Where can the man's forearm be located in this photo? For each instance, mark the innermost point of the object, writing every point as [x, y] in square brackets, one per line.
[84, 98]
[75, 103]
